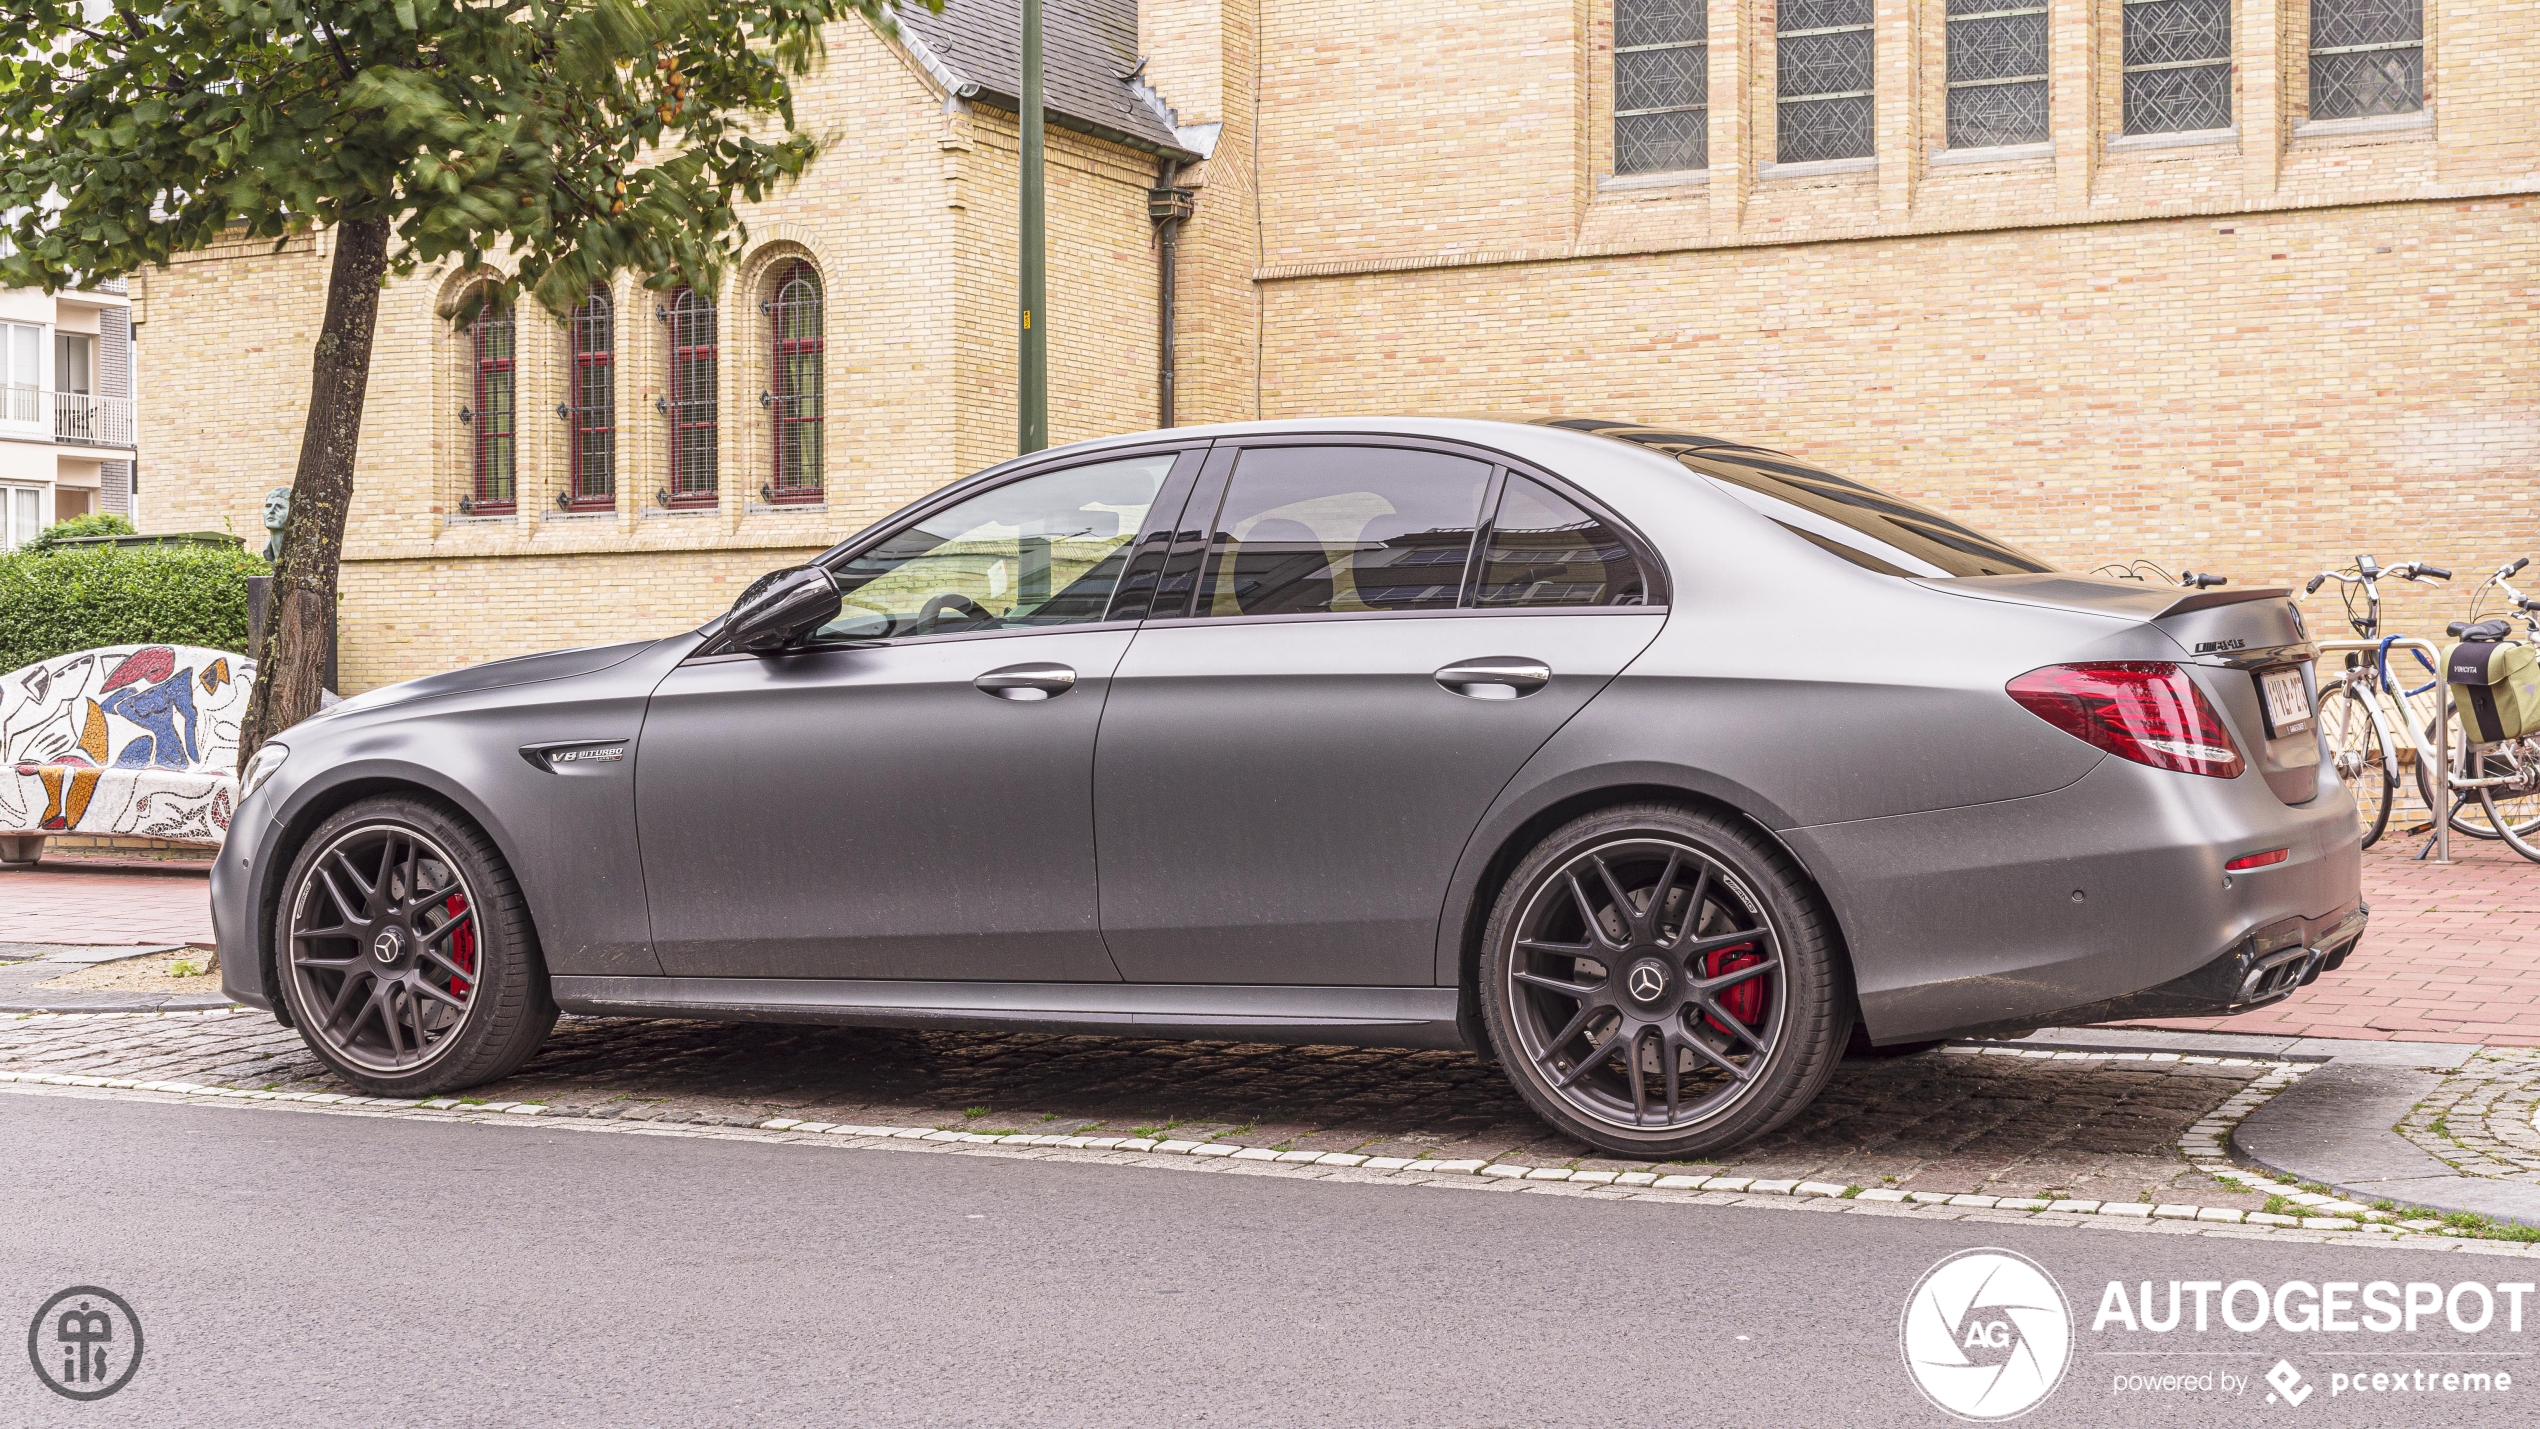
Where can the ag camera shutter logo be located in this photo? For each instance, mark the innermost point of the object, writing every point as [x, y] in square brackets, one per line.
[1987, 1334]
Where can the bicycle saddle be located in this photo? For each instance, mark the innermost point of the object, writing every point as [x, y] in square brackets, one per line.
[2485, 630]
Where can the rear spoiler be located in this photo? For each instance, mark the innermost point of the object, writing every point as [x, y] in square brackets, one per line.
[2208, 599]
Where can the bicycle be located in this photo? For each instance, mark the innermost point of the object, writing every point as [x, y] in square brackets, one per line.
[2356, 715]
[2504, 776]
[2134, 571]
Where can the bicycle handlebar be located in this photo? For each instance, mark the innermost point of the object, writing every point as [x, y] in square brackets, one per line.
[2517, 566]
[2419, 570]
[2201, 579]
[2314, 587]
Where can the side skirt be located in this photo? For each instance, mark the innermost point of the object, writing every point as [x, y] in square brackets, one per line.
[1343, 1016]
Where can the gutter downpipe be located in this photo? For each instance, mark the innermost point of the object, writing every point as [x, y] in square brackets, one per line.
[1170, 207]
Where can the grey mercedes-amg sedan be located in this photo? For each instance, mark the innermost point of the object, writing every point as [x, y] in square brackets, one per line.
[1646, 763]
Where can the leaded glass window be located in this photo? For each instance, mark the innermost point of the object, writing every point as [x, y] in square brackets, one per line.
[1662, 85]
[2367, 58]
[2177, 66]
[1823, 54]
[591, 433]
[1997, 73]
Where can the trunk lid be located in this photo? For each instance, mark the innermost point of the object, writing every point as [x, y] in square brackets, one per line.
[2228, 639]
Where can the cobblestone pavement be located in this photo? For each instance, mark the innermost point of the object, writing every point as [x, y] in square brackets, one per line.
[2480, 1120]
[2453, 955]
[2071, 1127]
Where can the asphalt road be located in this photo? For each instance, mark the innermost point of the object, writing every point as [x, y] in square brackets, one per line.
[310, 1269]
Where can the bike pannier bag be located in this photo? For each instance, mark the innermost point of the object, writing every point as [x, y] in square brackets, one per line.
[2496, 687]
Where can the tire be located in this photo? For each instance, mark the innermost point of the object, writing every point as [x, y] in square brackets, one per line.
[1731, 1032]
[2362, 755]
[405, 952]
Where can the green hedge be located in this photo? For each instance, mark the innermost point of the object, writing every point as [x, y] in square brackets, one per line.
[56, 602]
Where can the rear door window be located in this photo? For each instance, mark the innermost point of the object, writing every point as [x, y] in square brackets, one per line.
[1332, 530]
[1546, 550]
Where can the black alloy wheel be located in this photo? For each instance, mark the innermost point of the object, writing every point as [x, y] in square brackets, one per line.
[1659, 981]
[405, 952]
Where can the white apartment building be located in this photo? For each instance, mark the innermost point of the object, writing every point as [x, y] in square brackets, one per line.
[68, 432]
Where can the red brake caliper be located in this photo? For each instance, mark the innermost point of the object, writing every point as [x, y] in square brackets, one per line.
[1743, 1001]
[463, 946]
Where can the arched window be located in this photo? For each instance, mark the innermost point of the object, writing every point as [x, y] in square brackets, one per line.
[591, 447]
[493, 468]
[793, 395]
[691, 403]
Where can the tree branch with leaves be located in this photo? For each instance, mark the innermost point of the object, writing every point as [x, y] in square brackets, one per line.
[574, 139]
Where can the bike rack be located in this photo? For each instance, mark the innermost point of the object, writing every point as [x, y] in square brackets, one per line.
[2441, 780]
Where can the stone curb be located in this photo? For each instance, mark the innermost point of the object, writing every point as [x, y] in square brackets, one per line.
[19, 994]
[2338, 1129]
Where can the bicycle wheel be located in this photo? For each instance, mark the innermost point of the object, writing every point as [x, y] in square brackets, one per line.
[2510, 811]
[2443, 717]
[2360, 750]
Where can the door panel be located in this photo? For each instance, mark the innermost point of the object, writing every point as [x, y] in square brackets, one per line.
[878, 813]
[1284, 801]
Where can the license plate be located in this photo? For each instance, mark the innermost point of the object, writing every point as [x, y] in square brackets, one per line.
[2288, 703]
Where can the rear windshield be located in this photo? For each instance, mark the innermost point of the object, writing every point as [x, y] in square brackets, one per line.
[1863, 525]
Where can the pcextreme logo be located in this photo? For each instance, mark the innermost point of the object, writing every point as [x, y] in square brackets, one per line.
[1987, 1334]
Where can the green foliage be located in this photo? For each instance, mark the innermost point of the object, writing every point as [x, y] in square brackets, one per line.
[103, 523]
[585, 137]
[56, 602]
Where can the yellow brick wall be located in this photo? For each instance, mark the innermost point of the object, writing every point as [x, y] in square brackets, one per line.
[909, 218]
[2259, 355]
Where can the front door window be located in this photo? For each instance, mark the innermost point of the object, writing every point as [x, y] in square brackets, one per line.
[1044, 551]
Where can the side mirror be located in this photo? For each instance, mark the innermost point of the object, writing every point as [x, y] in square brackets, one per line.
[781, 607]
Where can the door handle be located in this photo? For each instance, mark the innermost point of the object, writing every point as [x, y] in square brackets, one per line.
[1041, 681]
[1495, 677]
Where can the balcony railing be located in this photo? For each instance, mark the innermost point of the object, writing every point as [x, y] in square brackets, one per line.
[21, 404]
[91, 420]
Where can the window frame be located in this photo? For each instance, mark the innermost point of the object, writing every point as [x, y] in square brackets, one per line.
[679, 400]
[1210, 493]
[1953, 86]
[590, 408]
[776, 490]
[1783, 100]
[2228, 61]
[1617, 113]
[2312, 50]
[473, 413]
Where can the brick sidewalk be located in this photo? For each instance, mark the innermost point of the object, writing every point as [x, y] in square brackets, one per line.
[2453, 954]
[67, 901]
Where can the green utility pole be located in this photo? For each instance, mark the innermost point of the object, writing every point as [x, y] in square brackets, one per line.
[1032, 352]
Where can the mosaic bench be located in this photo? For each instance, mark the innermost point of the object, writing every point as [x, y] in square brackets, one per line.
[132, 740]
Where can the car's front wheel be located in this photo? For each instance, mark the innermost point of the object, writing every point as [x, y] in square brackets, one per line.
[406, 953]
[1661, 982]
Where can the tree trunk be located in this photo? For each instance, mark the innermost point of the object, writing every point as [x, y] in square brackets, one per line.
[300, 616]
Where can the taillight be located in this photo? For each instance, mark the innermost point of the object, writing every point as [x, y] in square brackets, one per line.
[2148, 711]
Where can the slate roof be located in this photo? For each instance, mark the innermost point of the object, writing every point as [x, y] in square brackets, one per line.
[1089, 51]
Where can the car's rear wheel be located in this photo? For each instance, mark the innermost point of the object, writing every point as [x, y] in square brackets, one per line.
[1661, 982]
[406, 954]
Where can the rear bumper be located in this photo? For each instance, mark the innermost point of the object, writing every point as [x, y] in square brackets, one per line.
[2267, 966]
[2105, 899]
